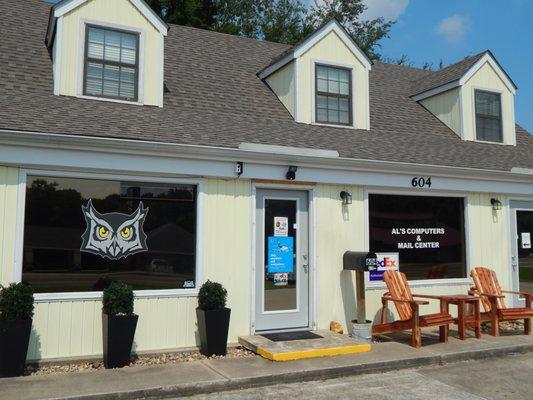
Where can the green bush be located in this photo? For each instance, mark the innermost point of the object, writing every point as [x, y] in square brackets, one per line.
[118, 299]
[16, 302]
[212, 296]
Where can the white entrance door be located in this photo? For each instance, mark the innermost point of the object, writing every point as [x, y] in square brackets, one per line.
[282, 260]
[521, 247]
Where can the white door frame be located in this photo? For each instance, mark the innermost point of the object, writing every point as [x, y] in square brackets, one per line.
[516, 204]
[311, 191]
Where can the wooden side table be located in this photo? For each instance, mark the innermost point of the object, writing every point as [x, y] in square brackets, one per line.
[463, 319]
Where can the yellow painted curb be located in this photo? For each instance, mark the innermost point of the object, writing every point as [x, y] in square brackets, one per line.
[313, 353]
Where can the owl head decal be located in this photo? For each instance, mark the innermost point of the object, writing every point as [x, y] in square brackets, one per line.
[114, 235]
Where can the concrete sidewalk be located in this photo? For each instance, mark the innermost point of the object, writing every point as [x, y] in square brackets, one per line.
[224, 374]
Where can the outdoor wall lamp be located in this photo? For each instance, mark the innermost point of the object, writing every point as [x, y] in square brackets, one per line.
[496, 204]
[346, 198]
[291, 173]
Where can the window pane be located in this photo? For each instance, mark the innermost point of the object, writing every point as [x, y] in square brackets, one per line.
[111, 80]
[344, 88]
[344, 75]
[333, 74]
[94, 86]
[333, 87]
[333, 103]
[427, 232]
[333, 116]
[322, 115]
[322, 85]
[344, 104]
[322, 102]
[96, 50]
[55, 224]
[344, 117]
[322, 72]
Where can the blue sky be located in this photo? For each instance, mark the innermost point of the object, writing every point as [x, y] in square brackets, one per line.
[452, 29]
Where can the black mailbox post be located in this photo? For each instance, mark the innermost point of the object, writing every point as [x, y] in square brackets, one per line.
[360, 262]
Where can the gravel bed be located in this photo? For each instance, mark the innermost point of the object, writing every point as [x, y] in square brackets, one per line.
[158, 359]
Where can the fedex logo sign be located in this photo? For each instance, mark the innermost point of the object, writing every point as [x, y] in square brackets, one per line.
[385, 261]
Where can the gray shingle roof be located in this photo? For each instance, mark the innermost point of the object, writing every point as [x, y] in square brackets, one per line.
[215, 98]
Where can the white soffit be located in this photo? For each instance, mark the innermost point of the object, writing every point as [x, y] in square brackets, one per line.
[67, 6]
[301, 48]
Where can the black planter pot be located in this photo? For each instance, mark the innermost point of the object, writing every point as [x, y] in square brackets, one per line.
[213, 326]
[118, 332]
[14, 340]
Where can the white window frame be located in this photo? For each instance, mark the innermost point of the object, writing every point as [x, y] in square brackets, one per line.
[351, 68]
[97, 295]
[429, 193]
[84, 22]
[474, 114]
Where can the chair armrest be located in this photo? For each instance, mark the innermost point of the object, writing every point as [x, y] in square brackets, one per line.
[489, 295]
[427, 296]
[405, 301]
[520, 293]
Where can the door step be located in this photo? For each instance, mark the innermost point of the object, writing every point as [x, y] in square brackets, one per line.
[328, 344]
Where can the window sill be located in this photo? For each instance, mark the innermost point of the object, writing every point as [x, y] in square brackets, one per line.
[489, 142]
[135, 103]
[97, 296]
[424, 283]
[334, 125]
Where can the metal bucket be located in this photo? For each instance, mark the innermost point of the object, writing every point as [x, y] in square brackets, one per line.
[362, 332]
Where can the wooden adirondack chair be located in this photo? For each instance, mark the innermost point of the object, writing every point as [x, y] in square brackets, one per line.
[408, 309]
[486, 286]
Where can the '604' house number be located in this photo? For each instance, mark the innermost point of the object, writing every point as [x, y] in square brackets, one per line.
[421, 182]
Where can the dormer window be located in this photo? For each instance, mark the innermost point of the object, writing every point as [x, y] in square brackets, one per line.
[111, 63]
[333, 95]
[488, 116]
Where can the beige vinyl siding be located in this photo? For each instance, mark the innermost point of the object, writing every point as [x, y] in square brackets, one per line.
[282, 84]
[121, 13]
[339, 228]
[487, 79]
[489, 231]
[9, 179]
[446, 107]
[331, 49]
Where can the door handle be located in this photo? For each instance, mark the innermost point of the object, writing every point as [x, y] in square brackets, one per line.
[305, 264]
[513, 263]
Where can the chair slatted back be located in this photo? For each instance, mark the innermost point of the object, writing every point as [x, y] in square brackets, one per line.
[485, 281]
[399, 289]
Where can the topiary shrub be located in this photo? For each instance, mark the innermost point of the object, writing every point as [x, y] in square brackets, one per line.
[212, 296]
[16, 302]
[118, 299]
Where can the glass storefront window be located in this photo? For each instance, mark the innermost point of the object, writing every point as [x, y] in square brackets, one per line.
[428, 233]
[54, 260]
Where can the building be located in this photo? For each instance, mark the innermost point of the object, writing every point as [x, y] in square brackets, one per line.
[236, 146]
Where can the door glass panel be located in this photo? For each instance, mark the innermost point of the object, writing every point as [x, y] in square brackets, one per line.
[524, 222]
[280, 277]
